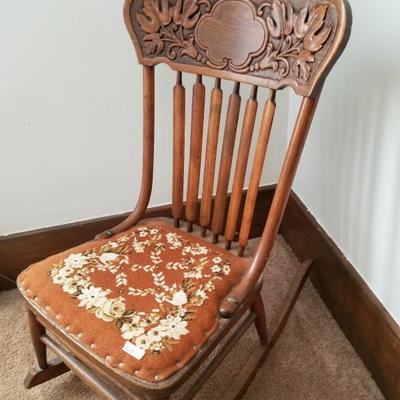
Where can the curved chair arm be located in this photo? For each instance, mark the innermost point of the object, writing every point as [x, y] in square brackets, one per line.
[148, 158]
[241, 291]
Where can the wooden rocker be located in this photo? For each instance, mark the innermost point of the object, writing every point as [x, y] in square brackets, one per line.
[141, 307]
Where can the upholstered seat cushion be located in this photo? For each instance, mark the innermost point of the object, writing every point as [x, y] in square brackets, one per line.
[153, 286]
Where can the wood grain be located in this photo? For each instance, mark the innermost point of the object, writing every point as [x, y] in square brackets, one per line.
[178, 149]
[196, 142]
[258, 165]
[241, 166]
[232, 117]
[211, 154]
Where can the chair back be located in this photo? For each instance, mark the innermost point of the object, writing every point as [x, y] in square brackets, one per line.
[265, 44]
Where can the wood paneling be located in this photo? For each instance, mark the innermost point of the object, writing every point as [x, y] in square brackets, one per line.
[362, 317]
[19, 250]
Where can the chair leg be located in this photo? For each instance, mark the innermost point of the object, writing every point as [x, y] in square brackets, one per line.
[261, 322]
[37, 330]
[45, 370]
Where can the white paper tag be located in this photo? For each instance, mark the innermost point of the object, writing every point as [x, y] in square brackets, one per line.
[133, 350]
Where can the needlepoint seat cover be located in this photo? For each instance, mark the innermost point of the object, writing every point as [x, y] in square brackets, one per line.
[153, 286]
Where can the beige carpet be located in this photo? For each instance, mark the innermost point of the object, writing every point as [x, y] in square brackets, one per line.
[312, 360]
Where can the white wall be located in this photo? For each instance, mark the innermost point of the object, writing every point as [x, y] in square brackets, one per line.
[70, 115]
[350, 173]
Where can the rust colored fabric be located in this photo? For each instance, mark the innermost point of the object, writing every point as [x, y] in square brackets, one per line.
[153, 286]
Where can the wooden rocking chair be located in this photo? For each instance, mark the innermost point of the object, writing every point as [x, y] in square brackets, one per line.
[142, 306]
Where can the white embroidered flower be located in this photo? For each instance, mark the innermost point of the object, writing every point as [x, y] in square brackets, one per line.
[174, 327]
[174, 240]
[217, 260]
[216, 269]
[71, 286]
[58, 279]
[129, 331]
[179, 298]
[226, 269]
[137, 319]
[66, 271]
[195, 250]
[198, 250]
[153, 231]
[75, 260]
[142, 232]
[156, 334]
[143, 342]
[171, 237]
[139, 246]
[82, 282]
[107, 257]
[72, 289]
[92, 297]
[111, 309]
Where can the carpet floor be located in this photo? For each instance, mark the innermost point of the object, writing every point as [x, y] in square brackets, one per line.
[311, 361]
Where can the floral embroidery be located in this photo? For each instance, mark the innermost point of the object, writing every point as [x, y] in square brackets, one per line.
[163, 326]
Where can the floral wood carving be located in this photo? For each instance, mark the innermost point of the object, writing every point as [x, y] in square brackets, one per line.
[276, 39]
[245, 35]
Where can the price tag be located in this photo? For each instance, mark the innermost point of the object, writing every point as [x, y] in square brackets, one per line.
[133, 350]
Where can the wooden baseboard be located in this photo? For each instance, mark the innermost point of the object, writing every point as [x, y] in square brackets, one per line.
[364, 320]
[362, 317]
[17, 251]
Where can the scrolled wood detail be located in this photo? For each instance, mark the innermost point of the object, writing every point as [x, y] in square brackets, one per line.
[272, 43]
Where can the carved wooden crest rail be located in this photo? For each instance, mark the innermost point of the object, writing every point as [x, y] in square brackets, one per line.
[270, 43]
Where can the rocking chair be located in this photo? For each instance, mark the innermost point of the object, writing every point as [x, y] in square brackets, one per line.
[144, 304]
